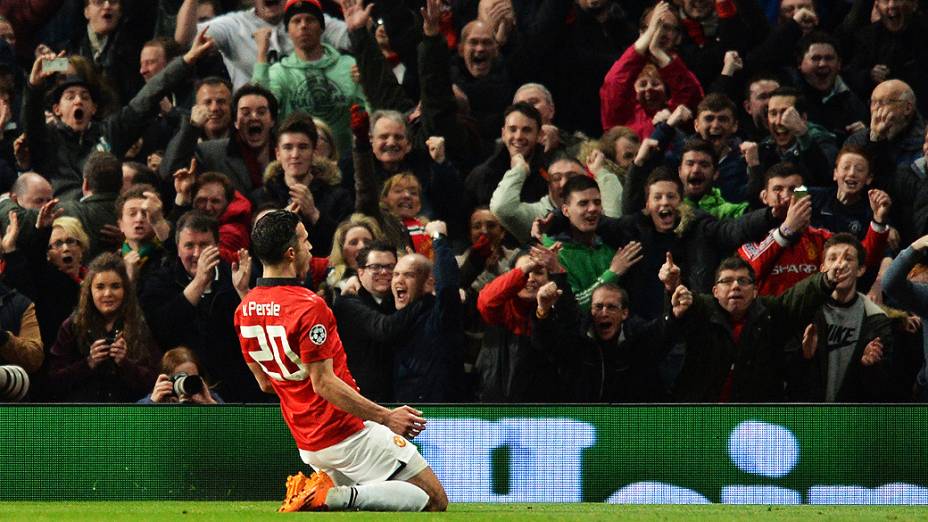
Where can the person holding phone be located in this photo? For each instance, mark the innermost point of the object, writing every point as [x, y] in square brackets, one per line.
[104, 351]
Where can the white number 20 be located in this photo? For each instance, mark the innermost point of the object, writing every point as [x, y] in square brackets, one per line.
[274, 346]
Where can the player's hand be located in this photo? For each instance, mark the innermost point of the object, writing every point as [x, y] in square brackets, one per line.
[405, 421]
[99, 352]
[163, 390]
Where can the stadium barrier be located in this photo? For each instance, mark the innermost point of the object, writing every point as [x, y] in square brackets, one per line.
[620, 454]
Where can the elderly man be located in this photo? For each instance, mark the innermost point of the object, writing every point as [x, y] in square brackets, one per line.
[234, 32]
[894, 137]
[892, 47]
[30, 191]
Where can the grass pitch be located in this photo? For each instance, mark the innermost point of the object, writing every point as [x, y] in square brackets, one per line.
[257, 511]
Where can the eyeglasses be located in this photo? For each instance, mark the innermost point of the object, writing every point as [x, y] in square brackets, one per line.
[609, 307]
[59, 244]
[379, 268]
[742, 281]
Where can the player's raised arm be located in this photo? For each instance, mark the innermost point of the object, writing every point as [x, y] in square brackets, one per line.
[404, 420]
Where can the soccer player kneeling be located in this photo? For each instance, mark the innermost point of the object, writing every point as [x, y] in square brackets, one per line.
[359, 449]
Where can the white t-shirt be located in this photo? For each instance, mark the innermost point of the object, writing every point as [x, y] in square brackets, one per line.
[233, 35]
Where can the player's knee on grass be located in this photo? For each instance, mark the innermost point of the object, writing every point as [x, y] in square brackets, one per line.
[438, 499]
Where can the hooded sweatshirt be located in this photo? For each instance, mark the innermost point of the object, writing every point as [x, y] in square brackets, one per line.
[323, 88]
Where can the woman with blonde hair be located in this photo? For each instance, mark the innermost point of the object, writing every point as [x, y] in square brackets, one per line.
[350, 237]
[49, 269]
[104, 351]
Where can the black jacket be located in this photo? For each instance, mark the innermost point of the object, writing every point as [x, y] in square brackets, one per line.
[369, 330]
[206, 328]
[755, 363]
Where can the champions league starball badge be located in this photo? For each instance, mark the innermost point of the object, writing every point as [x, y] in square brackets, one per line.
[317, 334]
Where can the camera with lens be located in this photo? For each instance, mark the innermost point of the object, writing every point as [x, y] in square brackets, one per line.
[185, 384]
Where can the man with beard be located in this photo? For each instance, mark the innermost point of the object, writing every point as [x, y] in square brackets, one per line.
[369, 324]
[234, 32]
[521, 133]
[698, 171]
[894, 137]
[589, 262]
[831, 103]
[735, 340]
[608, 355]
[892, 47]
[242, 157]
[59, 149]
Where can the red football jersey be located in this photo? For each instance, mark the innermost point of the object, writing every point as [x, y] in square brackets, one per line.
[281, 327]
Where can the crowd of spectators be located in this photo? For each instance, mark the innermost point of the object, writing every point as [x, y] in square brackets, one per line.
[508, 200]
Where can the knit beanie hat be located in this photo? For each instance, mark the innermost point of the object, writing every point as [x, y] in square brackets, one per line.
[295, 7]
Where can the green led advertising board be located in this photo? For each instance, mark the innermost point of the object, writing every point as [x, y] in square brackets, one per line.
[621, 454]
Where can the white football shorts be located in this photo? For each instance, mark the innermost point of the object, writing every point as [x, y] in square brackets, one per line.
[374, 454]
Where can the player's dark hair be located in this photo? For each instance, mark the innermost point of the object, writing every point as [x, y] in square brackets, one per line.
[734, 263]
[845, 238]
[273, 235]
[198, 221]
[577, 184]
[377, 245]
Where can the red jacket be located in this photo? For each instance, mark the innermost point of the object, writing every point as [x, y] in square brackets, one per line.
[778, 265]
[234, 227]
[619, 105]
[499, 303]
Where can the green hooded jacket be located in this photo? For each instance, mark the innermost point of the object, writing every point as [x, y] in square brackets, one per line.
[323, 88]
